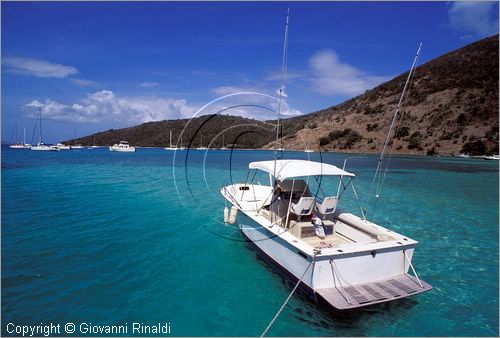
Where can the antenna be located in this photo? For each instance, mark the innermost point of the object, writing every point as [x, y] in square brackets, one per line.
[281, 90]
[388, 136]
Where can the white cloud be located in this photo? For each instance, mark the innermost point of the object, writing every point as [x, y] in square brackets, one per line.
[150, 84]
[84, 83]
[254, 103]
[106, 106]
[474, 19]
[330, 76]
[38, 68]
[291, 75]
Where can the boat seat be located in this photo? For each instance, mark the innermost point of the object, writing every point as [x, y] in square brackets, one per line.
[328, 205]
[303, 207]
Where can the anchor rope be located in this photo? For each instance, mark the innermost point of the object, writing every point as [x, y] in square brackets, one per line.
[289, 296]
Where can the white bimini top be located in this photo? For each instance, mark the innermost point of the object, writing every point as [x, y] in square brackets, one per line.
[298, 168]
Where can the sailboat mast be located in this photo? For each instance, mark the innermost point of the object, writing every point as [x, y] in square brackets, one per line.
[170, 139]
[40, 130]
[24, 135]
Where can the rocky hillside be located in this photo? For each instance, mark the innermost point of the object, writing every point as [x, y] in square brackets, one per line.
[451, 107]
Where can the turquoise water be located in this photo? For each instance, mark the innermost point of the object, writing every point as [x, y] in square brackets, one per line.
[105, 238]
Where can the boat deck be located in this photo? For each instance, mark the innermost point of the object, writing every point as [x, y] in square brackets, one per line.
[351, 297]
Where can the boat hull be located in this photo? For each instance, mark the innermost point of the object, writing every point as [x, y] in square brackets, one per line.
[337, 280]
[44, 148]
[122, 150]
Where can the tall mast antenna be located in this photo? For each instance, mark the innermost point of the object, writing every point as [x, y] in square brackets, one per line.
[281, 90]
[396, 113]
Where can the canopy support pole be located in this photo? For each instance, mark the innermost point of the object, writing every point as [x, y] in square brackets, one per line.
[289, 203]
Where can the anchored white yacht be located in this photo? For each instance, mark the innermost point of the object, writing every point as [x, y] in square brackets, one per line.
[341, 259]
[123, 146]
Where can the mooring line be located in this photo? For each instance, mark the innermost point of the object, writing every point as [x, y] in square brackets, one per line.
[288, 298]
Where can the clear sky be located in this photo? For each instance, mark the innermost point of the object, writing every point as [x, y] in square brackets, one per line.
[94, 66]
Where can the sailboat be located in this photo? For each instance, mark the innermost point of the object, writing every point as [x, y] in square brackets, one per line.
[171, 147]
[93, 146]
[40, 145]
[338, 258]
[19, 145]
[201, 147]
[223, 146]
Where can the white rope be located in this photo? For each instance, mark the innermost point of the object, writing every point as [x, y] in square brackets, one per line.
[411, 265]
[288, 298]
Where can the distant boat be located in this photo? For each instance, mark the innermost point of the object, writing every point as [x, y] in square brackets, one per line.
[123, 147]
[40, 145]
[223, 146]
[23, 145]
[171, 147]
[463, 156]
[309, 151]
[201, 147]
[62, 146]
[93, 145]
[491, 157]
[77, 147]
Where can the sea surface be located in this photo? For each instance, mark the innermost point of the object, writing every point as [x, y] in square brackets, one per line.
[107, 238]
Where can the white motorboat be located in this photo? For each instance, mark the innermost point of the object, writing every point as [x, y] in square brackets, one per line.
[77, 147]
[62, 146]
[308, 151]
[123, 146]
[298, 224]
[341, 259]
[171, 147]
